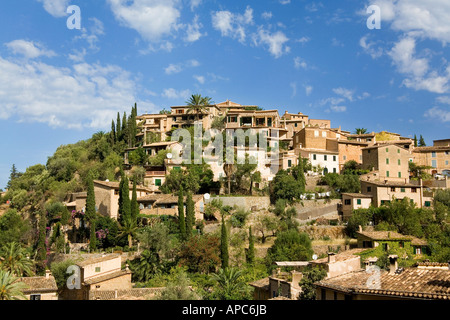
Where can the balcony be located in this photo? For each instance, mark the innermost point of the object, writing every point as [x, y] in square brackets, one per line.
[155, 173]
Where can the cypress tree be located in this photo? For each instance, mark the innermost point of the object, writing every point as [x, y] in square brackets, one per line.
[93, 238]
[118, 128]
[124, 127]
[124, 199]
[415, 141]
[251, 247]
[113, 133]
[224, 256]
[422, 142]
[190, 214]
[90, 200]
[181, 219]
[301, 175]
[42, 245]
[134, 203]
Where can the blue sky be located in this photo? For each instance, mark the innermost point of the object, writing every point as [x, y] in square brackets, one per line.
[60, 85]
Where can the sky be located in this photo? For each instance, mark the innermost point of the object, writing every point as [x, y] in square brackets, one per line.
[67, 67]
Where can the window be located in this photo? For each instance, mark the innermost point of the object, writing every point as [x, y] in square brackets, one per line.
[35, 297]
[324, 134]
[427, 204]
[334, 158]
[387, 160]
[392, 189]
[314, 157]
[418, 250]
[433, 163]
[177, 168]
[158, 182]
[414, 190]
[296, 125]
[401, 244]
[334, 170]
[446, 162]
[387, 149]
[399, 174]
[289, 163]
[398, 150]
[97, 269]
[347, 202]
[387, 174]
[402, 189]
[316, 133]
[325, 157]
[345, 158]
[358, 201]
[369, 189]
[433, 154]
[399, 162]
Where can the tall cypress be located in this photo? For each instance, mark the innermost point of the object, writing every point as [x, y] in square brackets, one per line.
[42, 245]
[301, 174]
[124, 127]
[181, 219]
[190, 214]
[134, 203]
[415, 140]
[113, 133]
[93, 236]
[124, 199]
[251, 247]
[224, 256]
[118, 128]
[91, 212]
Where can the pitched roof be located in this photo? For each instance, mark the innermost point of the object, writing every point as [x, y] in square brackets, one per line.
[412, 283]
[106, 277]
[431, 149]
[391, 235]
[115, 185]
[39, 284]
[342, 256]
[357, 195]
[261, 283]
[90, 261]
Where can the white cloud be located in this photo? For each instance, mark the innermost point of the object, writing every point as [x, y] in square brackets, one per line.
[438, 114]
[274, 41]
[193, 30]
[417, 70]
[345, 93]
[195, 4]
[443, 99]
[56, 8]
[172, 93]
[152, 19]
[369, 47]
[266, 15]
[293, 86]
[91, 34]
[308, 90]
[299, 63]
[82, 95]
[285, 1]
[29, 49]
[338, 108]
[303, 40]
[179, 67]
[200, 79]
[231, 24]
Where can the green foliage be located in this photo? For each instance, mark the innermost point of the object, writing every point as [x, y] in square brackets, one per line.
[224, 254]
[310, 277]
[190, 214]
[181, 217]
[146, 267]
[360, 217]
[11, 289]
[59, 271]
[158, 159]
[179, 289]
[200, 253]
[239, 218]
[286, 187]
[13, 228]
[13, 258]
[230, 285]
[290, 245]
[124, 199]
[342, 183]
[137, 157]
[251, 247]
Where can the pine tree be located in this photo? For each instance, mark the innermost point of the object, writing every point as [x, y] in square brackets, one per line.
[13, 175]
[134, 204]
[224, 256]
[251, 247]
[190, 214]
[181, 219]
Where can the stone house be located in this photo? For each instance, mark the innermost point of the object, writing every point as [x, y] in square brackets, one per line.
[437, 157]
[40, 288]
[395, 284]
[99, 274]
[353, 201]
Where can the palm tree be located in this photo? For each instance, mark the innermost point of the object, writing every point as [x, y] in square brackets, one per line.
[360, 130]
[128, 228]
[230, 283]
[10, 288]
[147, 266]
[198, 104]
[14, 259]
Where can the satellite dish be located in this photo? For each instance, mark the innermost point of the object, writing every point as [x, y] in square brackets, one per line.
[207, 196]
[314, 256]
[169, 156]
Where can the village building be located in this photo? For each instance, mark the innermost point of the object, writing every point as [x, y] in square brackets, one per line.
[395, 284]
[354, 201]
[437, 156]
[40, 288]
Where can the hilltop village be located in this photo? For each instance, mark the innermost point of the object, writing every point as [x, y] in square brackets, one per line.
[223, 201]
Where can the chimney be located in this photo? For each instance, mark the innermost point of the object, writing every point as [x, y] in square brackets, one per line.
[47, 274]
[360, 228]
[331, 257]
[296, 277]
[369, 262]
[393, 264]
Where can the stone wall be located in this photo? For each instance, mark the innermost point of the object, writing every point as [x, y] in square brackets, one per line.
[248, 203]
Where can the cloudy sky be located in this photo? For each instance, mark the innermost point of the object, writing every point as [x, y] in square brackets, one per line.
[60, 84]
